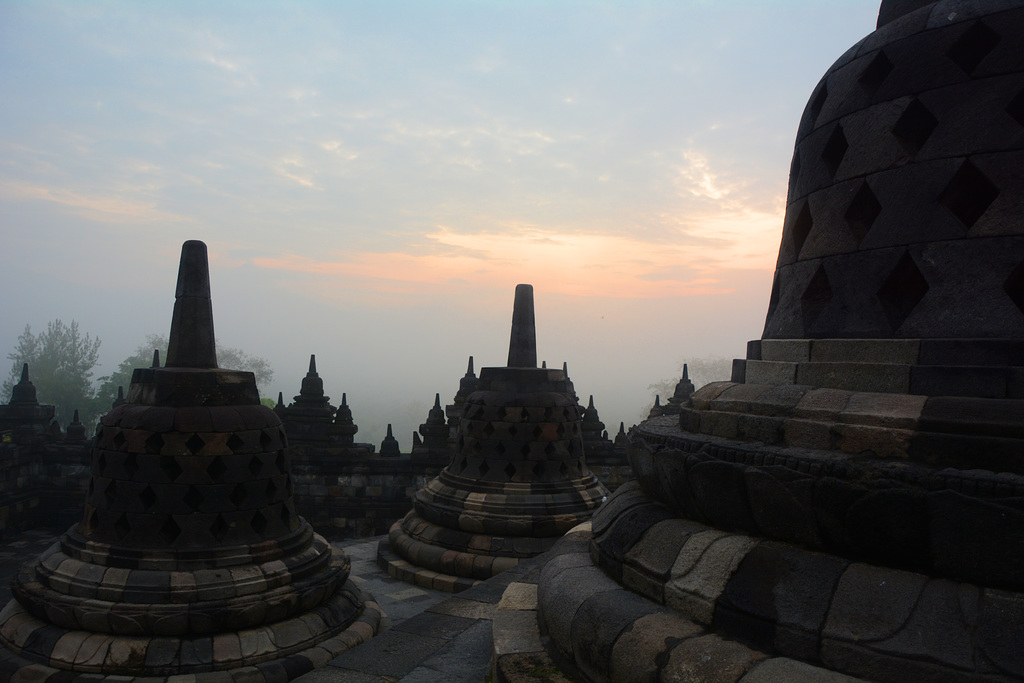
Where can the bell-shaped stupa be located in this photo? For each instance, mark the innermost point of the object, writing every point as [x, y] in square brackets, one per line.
[517, 481]
[189, 560]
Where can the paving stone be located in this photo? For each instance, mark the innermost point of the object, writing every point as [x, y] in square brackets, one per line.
[783, 670]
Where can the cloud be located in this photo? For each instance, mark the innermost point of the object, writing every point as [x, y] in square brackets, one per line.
[105, 209]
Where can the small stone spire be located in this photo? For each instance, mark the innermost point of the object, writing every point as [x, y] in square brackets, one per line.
[522, 347]
[191, 343]
[435, 429]
[281, 409]
[389, 446]
[120, 400]
[344, 426]
[620, 438]
[156, 358]
[76, 430]
[416, 443]
[544, 364]
[24, 391]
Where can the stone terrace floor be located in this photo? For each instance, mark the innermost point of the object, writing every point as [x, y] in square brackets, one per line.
[430, 635]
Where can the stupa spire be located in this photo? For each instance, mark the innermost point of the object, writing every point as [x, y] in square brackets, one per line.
[191, 343]
[156, 358]
[522, 347]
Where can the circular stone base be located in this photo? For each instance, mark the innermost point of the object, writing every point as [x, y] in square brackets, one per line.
[276, 652]
[397, 568]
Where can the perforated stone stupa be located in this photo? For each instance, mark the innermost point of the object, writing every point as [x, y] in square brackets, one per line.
[852, 501]
[189, 558]
[517, 481]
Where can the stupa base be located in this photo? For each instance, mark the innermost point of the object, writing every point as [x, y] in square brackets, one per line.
[274, 652]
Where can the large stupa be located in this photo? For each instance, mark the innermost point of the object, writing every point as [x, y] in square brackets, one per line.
[189, 562]
[851, 504]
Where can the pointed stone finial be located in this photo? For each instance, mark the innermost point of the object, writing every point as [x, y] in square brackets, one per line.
[75, 419]
[344, 400]
[156, 358]
[120, 400]
[469, 370]
[544, 364]
[390, 435]
[191, 343]
[312, 363]
[389, 447]
[24, 373]
[622, 428]
[416, 439]
[522, 347]
[657, 400]
[24, 391]
[591, 405]
[565, 368]
[280, 398]
[437, 401]
[685, 373]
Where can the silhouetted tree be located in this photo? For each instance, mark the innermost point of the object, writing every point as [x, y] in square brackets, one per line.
[61, 362]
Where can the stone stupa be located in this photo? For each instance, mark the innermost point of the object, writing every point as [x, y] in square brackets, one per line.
[189, 560]
[851, 504]
[517, 481]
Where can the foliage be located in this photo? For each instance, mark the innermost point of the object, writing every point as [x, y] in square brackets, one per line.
[269, 402]
[61, 362]
[231, 358]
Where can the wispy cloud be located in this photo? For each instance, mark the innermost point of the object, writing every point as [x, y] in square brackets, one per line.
[108, 209]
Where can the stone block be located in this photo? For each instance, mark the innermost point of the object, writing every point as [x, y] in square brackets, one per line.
[886, 351]
[710, 659]
[874, 377]
[872, 603]
[638, 648]
[807, 434]
[783, 670]
[895, 411]
[770, 372]
[739, 369]
[718, 492]
[785, 350]
[597, 625]
[702, 571]
[780, 510]
[998, 352]
[979, 381]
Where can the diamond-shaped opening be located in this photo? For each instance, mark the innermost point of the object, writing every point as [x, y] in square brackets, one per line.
[475, 447]
[969, 194]
[271, 489]
[119, 440]
[169, 531]
[510, 470]
[563, 469]
[170, 467]
[289, 488]
[794, 171]
[914, 126]
[560, 430]
[512, 431]
[484, 468]
[972, 46]
[800, 229]
[1014, 286]
[235, 443]
[147, 497]
[571, 447]
[122, 527]
[279, 461]
[549, 449]
[101, 464]
[265, 440]
[238, 495]
[131, 464]
[1016, 108]
[902, 291]
[193, 498]
[818, 102]
[219, 528]
[92, 488]
[502, 412]
[499, 448]
[525, 450]
[537, 431]
[488, 429]
[154, 444]
[875, 73]
[195, 444]
[110, 493]
[259, 523]
[816, 297]
[286, 517]
[862, 212]
[835, 150]
[92, 521]
[538, 468]
[255, 465]
[216, 469]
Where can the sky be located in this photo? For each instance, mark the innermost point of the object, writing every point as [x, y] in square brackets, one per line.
[373, 179]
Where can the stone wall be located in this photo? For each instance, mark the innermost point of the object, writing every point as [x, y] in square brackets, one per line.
[42, 485]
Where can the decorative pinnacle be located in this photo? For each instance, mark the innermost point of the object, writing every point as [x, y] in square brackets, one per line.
[280, 398]
[312, 363]
[469, 370]
[437, 400]
[544, 364]
[522, 347]
[390, 435]
[685, 374]
[156, 358]
[191, 343]
[75, 419]
[24, 373]
[344, 400]
[565, 368]
[591, 406]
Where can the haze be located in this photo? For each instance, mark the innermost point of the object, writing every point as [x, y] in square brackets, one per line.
[373, 180]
